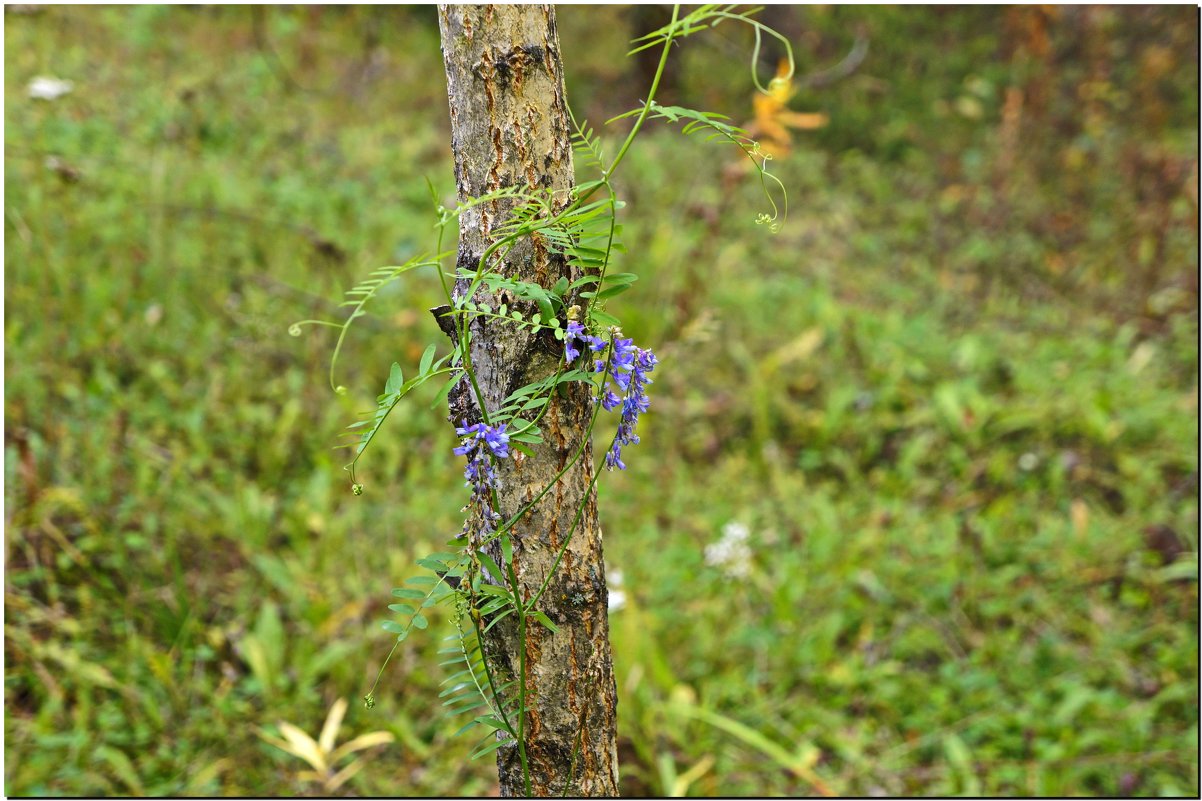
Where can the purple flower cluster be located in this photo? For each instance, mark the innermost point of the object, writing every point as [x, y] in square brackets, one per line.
[478, 441]
[574, 332]
[628, 369]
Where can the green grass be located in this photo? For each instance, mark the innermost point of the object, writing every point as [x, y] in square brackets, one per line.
[963, 438]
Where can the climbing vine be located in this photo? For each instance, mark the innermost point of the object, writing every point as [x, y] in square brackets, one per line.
[480, 589]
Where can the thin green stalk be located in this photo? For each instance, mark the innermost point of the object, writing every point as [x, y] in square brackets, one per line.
[522, 697]
[467, 658]
[583, 500]
[492, 685]
[442, 278]
[659, 72]
[508, 524]
[575, 521]
[572, 764]
[388, 658]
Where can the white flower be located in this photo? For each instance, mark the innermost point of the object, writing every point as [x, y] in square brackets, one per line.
[734, 531]
[731, 553]
[44, 87]
[617, 596]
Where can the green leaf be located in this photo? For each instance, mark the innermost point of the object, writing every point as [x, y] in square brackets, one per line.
[529, 434]
[493, 589]
[544, 306]
[122, 766]
[395, 379]
[488, 748]
[402, 609]
[427, 360]
[394, 627]
[405, 592]
[495, 605]
[456, 688]
[457, 706]
[420, 622]
[605, 319]
[446, 390]
[491, 566]
[494, 722]
[546, 621]
[466, 727]
[585, 281]
[609, 292]
[498, 619]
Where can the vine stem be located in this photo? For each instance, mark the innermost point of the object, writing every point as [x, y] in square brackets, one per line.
[575, 522]
[522, 695]
[659, 72]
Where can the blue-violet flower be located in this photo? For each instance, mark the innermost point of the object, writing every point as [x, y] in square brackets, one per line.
[478, 441]
[628, 369]
[632, 378]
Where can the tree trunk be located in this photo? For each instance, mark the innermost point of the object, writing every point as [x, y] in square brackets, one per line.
[509, 126]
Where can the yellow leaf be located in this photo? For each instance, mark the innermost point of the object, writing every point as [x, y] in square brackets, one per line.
[360, 743]
[330, 730]
[680, 787]
[303, 746]
[341, 777]
[1079, 513]
[796, 350]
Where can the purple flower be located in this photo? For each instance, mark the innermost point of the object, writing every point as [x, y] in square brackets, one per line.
[497, 441]
[478, 442]
[628, 370]
[573, 332]
[624, 353]
[627, 374]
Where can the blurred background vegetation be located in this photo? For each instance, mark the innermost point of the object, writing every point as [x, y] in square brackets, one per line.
[939, 434]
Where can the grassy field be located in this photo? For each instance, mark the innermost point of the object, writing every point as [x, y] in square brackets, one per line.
[953, 404]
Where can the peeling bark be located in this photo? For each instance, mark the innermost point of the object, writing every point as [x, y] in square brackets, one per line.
[510, 126]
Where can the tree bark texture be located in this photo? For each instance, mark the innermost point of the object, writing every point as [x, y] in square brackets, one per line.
[510, 126]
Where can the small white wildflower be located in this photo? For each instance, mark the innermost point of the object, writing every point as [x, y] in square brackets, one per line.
[617, 596]
[154, 313]
[731, 553]
[1028, 462]
[734, 531]
[44, 87]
